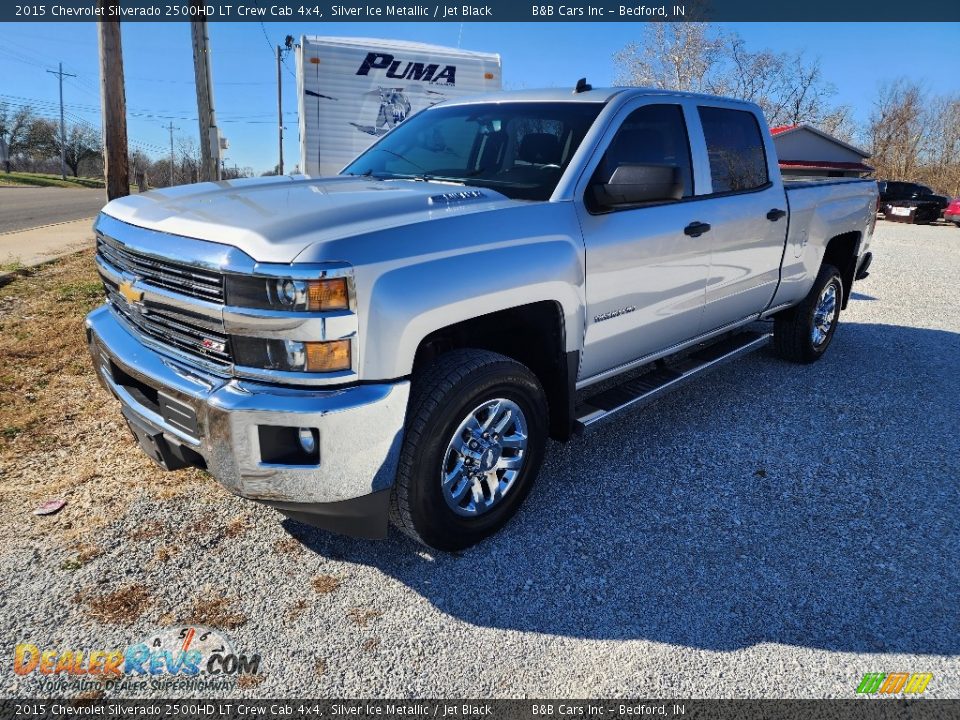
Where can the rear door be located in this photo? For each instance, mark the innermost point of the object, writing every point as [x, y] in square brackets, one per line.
[746, 210]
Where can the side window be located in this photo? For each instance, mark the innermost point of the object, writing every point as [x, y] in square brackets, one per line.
[651, 135]
[735, 147]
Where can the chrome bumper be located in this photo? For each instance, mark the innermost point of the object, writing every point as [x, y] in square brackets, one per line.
[359, 428]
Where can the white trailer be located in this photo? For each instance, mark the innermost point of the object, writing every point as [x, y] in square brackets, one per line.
[353, 90]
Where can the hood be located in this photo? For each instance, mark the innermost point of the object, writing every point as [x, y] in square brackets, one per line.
[274, 219]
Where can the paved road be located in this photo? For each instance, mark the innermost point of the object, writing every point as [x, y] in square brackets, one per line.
[26, 207]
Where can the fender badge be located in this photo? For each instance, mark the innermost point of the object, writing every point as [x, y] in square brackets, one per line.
[129, 292]
[614, 313]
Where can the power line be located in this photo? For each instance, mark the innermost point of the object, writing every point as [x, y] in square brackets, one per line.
[270, 47]
[150, 114]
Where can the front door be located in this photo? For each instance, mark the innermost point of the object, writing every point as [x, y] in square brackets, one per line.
[646, 278]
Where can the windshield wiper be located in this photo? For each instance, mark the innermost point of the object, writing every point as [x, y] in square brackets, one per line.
[366, 173]
[401, 157]
[423, 176]
[427, 177]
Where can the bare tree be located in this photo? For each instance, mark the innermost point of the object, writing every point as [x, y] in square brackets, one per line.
[15, 128]
[677, 56]
[915, 136]
[898, 129]
[43, 142]
[940, 156]
[790, 88]
[83, 143]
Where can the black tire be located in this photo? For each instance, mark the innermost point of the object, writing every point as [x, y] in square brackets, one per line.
[443, 395]
[793, 328]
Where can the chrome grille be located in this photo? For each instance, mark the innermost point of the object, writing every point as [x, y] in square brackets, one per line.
[176, 277]
[173, 329]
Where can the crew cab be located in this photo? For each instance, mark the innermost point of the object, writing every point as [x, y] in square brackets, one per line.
[400, 340]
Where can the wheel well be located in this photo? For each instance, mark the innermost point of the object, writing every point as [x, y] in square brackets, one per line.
[531, 334]
[842, 254]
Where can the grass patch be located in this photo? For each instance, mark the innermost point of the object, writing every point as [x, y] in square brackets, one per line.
[61, 434]
[287, 545]
[246, 682]
[41, 321]
[297, 609]
[147, 530]
[47, 180]
[90, 292]
[361, 617]
[325, 584]
[216, 612]
[121, 606]
[237, 526]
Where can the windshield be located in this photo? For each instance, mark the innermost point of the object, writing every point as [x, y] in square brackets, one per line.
[518, 149]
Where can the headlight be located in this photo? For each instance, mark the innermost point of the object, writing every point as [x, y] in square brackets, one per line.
[288, 294]
[328, 356]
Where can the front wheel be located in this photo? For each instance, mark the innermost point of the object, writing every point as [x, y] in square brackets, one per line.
[803, 333]
[475, 433]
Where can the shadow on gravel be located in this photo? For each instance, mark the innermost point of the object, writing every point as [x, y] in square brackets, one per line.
[809, 505]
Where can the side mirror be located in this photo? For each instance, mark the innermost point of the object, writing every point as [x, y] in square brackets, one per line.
[633, 184]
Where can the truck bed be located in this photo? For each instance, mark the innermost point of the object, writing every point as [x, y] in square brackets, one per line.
[821, 209]
[797, 183]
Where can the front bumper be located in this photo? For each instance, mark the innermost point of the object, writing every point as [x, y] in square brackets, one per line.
[194, 417]
[951, 217]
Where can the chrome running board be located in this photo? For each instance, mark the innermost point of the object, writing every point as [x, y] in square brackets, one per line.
[642, 390]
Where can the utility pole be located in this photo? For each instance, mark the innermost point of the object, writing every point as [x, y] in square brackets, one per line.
[63, 130]
[113, 102]
[209, 134]
[288, 43]
[171, 128]
[279, 112]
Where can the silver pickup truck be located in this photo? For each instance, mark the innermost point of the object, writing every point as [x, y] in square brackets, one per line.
[399, 341]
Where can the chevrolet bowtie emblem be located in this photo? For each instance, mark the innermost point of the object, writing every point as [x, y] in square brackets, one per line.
[130, 292]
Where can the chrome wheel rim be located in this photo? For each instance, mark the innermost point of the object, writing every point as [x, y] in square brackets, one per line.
[824, 315]
[484, 457]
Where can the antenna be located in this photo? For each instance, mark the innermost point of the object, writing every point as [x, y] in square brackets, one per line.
[582, 86]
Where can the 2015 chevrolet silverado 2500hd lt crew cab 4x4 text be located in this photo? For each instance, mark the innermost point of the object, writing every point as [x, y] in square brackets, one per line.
[400, 340]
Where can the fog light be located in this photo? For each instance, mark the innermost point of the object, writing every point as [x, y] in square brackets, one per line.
[329, 356]
[307, 440]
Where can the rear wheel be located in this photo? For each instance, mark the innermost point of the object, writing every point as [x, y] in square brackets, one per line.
[803, 333]
[474, 441]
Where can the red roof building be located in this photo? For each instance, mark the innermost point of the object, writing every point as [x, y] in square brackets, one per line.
[804, 151]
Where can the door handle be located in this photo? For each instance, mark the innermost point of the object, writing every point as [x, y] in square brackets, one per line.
[776, 214]
[696, 229]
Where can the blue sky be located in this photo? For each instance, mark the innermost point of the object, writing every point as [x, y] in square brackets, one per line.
[159, 67]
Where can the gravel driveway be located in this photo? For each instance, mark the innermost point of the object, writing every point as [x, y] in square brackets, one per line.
[770, 531]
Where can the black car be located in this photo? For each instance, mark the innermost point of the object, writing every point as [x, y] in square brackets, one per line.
[909, 202]
[895, 191]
